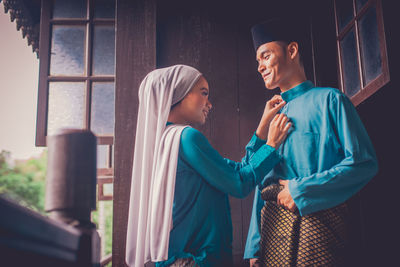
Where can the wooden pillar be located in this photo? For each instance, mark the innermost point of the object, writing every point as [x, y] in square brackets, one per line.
[71, 176]
[135, 57]
[71, 193]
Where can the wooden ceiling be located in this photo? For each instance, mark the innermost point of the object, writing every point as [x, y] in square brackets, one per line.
[26, 14]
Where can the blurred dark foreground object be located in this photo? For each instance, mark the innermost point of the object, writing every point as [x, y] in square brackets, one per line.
[67, 238]
[71, 176]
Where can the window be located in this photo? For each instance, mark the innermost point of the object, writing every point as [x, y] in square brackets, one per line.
[362, 58]
[76, 85]
[77, 68]
[77, 72]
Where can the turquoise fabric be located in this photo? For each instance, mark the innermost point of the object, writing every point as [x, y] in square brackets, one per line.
[202, 226]
[327, 158]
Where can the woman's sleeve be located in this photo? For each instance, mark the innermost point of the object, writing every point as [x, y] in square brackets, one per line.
[254, 144]
[233, 178]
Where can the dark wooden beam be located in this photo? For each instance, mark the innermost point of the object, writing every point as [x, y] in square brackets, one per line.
[41, 124]
[28, 238]
[135, 57]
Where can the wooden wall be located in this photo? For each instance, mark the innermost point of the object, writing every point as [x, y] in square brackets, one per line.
[380, 198]
[374, 208]
[135, 57]
[214, 36]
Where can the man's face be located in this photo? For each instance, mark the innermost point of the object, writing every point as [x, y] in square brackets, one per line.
[273, 64]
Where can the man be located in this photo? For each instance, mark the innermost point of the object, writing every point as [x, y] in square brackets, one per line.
[299, 212]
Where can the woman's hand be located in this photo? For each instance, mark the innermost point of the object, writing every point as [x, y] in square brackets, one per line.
[271, 108]
[278, 130]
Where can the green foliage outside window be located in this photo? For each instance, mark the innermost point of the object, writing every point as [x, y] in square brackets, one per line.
[24, 182]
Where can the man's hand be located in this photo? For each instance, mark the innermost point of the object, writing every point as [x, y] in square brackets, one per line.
[255, 263]
[284, 198]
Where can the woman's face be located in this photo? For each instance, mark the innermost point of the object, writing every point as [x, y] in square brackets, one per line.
[194, 108]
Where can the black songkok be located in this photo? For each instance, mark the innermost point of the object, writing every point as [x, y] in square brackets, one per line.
[276, 30]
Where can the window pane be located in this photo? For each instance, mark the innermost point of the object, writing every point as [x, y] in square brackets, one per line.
[350, 64]
[108, 189]
[370, 48]
[102, 116]
[104, 9]
[67, 50]
[69, 9]
[102, 156]
[360, 4]
[66, 106]
[104, 50]
[103, 218]
[344, 9]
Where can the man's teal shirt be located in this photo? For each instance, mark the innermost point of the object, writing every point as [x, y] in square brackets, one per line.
[327, 157]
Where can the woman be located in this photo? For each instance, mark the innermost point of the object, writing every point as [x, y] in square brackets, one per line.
[179, 211]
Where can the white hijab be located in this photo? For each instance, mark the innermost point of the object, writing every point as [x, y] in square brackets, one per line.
[154, 164]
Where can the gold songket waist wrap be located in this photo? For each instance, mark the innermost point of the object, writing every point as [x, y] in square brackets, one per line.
[289, 239]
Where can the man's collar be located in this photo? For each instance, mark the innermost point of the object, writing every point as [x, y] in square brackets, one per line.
[296, 91]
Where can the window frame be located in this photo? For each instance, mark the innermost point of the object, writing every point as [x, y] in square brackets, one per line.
[382, 79]
[87, 77]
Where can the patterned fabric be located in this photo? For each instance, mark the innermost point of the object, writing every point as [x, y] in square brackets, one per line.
[270, 193]
[288, 239]
[184, 262]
